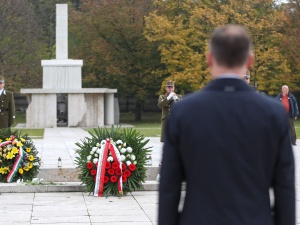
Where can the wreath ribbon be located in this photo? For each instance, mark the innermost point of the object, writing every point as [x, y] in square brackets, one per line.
[99, 183]
[16, 166]
[17, 163]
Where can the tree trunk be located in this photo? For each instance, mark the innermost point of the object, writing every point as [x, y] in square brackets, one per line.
[127, 105]
[138, 111]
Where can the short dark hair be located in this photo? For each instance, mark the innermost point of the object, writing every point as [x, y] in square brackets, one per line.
[230, 45]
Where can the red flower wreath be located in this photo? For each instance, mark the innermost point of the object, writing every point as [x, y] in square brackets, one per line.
[106, 179]
[118, 171]
[124, 178]
[93, 172]
[113, 179]
[110, 171]
[115, 165]
[132, 167]
[89, 165]
[107, 166]
[127, 173]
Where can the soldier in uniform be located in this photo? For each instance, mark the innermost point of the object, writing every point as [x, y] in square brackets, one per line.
[7, 106]
[165, 102]
[247, 77]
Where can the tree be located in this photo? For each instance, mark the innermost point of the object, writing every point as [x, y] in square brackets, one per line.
[183, 38]
[19, 45]
[108, 36]
[291, 40]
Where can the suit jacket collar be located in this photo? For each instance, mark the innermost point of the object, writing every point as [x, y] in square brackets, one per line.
[228, 85]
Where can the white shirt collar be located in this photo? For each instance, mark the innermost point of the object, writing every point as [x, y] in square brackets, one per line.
[229, 75]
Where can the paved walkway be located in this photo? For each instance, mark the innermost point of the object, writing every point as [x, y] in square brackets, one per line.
[77, 208]
[60, 142]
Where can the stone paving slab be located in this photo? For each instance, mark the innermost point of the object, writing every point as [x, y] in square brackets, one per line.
[76, 208]
[60, 142]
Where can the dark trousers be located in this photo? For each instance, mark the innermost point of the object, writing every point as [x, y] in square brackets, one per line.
[292, 131]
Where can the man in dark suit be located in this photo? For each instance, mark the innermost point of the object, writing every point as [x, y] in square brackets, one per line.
[231, 145]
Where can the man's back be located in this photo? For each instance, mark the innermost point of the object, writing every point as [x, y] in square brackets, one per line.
[231, 145]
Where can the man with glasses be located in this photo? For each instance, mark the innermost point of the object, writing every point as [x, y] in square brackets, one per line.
[7, 106]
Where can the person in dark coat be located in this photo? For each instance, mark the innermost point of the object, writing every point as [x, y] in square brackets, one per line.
[165, 102]
[231, 146]
[7, 106]
[290, 104]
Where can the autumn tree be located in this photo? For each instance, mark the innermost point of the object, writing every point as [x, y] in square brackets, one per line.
[108, 36]
[290, 44]
[183, 37]
[19, 45]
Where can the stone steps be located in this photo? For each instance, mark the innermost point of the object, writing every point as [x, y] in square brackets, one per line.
[58, 187]
[71, 174]
[66, 180]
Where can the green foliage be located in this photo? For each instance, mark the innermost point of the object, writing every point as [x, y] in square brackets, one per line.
[30, 163]
[183, 36]
[108, 36]
[290, 43]
[132, 138]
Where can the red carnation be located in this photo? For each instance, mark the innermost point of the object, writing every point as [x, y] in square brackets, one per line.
[93, 172]
[123, 166]
[110, 171]
[124, 178]
[115, 165]
[107, 166]
[89, 165]
[113, 179]
[132, 167]
[127, 173]
[118, 171]
[96, 164]
[106, 179]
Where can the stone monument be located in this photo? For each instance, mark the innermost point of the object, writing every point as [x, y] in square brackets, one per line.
[86, 107]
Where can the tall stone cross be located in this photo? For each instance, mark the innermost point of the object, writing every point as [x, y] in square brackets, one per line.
[61, 31]
[62, 73]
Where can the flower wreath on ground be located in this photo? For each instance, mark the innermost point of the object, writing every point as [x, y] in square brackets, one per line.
[18, 157]
[112, 162]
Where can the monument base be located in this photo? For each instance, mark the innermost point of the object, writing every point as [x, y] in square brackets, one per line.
[87, 107]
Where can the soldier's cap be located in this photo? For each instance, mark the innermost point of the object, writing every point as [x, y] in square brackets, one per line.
[170, 83]
[1, 79]
[247, 74]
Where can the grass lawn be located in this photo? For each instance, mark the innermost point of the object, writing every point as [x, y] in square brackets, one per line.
[149, 126]
[32, 133]
[297, 127]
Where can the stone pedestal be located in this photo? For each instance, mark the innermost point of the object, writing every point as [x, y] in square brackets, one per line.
[86, 107]
[62, 74]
